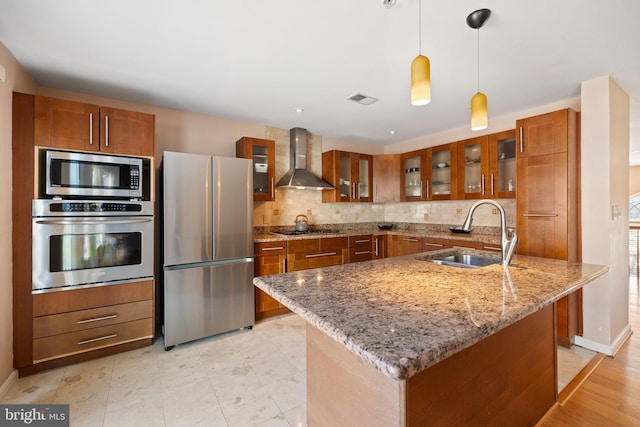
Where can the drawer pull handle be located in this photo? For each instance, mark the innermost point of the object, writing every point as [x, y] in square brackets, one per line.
[363, 252]
[550, 215]
[410, 240]
[97, 319]
[363, 241]
[492, 248]
[319, 255]
[106, 337]
[437, 245]
[275, 248]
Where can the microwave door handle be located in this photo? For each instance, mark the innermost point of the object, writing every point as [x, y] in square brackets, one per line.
[89, 221]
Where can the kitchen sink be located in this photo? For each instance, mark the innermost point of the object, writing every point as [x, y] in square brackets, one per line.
[464, 260]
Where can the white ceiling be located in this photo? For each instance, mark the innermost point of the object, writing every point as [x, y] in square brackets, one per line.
[258, 61]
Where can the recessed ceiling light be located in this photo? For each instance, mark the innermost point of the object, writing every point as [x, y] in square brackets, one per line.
[299, 110]
[392, 132]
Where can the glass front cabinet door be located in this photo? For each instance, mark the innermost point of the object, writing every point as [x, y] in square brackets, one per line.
[415, 175]
[263, 154]
[502, 151]
[351, 175]
[474, 167]
[443, 170]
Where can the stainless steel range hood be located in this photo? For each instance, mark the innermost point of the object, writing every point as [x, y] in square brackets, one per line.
[298, 176]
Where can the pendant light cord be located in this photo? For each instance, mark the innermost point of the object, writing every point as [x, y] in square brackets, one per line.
[478, 59]
[420, 27]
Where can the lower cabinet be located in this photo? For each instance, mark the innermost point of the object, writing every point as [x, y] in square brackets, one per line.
[271, 258]
[72, 322]
[435, 244]
[399, 245]
[315, 253]
[361, 248]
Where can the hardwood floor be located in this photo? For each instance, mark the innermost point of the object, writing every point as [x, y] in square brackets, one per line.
[610, 396]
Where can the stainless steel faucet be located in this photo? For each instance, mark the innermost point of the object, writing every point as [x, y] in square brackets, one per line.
[509, 239]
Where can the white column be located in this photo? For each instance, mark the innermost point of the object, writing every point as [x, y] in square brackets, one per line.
[605, 214]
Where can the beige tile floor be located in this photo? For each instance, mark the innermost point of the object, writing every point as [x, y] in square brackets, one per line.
[243, 378]
[239, 379]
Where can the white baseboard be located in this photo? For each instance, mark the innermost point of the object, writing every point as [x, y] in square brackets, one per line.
[609, 350]
[4, 388]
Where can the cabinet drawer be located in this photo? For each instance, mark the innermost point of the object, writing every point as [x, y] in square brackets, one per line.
[364, 241]
[434, 244]
[360, 254]
[303, 245]
[467, 244]
[90, 339]
[270, 248]
[99, 296]
[314, 259]
[337, 243]
[56, 324]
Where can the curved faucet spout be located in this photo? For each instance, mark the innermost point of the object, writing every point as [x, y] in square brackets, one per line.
[509, 239]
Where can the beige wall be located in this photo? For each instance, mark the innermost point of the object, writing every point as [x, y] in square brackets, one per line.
[634, 180]
[16, 80]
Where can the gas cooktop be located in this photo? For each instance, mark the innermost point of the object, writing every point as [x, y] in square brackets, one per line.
[296, 233]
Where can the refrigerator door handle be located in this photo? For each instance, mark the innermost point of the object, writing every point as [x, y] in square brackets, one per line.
[209, 244]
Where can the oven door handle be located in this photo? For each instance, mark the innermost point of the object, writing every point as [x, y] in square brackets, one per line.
[83, 221]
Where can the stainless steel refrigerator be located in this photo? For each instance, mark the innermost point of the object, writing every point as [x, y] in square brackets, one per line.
[208, 246]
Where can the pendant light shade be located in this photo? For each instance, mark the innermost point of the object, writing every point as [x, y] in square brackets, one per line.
[420, 81]
[479, 113]
[420, 70]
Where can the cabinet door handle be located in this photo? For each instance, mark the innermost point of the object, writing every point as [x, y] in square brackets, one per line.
[106, 337]
[482, 183]
[377, 254]
[492, 187]
[106, 130]
[435, 245]
[521, 142]
[410, 240]
[275, 248]
[284, 265]
[90, 128]
[321, 255]
[363, 241]
[362, 252]
[426, 190]
[549, 215]
[273, 188]
[97, 319]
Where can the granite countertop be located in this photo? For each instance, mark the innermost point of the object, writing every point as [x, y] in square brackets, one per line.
[403, 314]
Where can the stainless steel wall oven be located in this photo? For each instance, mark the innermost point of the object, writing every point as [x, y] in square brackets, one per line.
[86, 242]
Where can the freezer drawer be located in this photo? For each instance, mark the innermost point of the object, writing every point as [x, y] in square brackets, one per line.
[204, 301]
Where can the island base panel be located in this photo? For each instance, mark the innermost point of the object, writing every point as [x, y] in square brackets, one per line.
[344, 390]
[508, 377]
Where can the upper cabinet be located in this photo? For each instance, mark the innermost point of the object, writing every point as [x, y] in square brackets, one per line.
[473, 168]
[263, 154]
[86, 127]
[415, 175]
[542, 134]
[386, 180]
[502, 166]
[351, 175]
[429, 174]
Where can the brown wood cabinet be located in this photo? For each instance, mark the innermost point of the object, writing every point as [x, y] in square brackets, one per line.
[429, 174]
[351, 175]
[380, 246]
[386, 180]
[473, 168]
[502, 165]
[72, 322]
[315, 253]
[270, 258]
[57, 328]
[548, 202]
[435, 244]
[361, 248]
[398, 245]
[415, 173]
[74, 125]
[263, 154]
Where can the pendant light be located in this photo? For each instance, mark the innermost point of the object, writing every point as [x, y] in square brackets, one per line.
[420, 70]
[479, 113]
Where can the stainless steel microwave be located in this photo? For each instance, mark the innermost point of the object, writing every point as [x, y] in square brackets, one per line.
[73, 175]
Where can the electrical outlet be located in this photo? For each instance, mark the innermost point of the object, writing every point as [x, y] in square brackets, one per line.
[276, 211]
[495, 211]
[337, 211]
[309, 212]
[458, 211]
[426, 217]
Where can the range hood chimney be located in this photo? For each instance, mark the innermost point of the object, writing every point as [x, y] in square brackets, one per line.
[298, 176]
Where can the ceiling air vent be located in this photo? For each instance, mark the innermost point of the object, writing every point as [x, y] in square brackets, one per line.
[362, 99]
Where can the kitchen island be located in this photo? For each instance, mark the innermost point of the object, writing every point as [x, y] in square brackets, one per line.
[401, 341]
